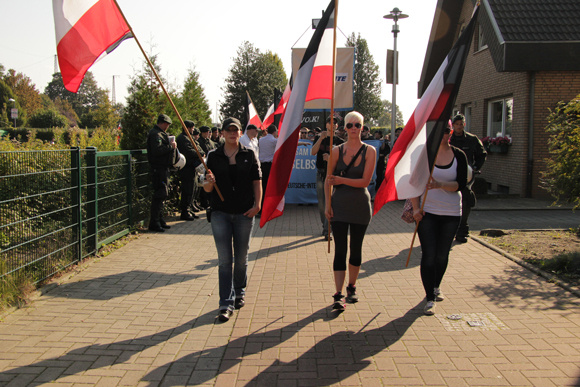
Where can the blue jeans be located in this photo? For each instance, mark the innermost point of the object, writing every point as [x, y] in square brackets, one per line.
[231, 233]
[321, 200]
[436, 233]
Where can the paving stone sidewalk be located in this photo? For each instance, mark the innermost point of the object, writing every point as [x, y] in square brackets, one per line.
[146, 316]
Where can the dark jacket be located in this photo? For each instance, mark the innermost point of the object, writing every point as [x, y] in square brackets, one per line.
[472, 147]
[187, 149]
[239, 193]
[160, 153]
[461, 167]
[206, 144]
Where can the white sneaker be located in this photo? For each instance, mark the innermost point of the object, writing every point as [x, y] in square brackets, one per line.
[430, 308]
[438, 295]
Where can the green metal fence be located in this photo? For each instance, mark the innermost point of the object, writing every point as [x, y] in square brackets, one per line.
[58, 207]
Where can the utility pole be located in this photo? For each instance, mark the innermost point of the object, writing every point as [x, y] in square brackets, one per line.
[113, 94]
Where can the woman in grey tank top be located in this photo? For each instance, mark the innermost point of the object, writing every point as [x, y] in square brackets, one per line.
[348, 204]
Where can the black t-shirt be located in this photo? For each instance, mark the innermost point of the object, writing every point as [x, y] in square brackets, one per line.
[325, 148]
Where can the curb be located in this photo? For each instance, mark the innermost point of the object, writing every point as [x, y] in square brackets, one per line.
[549, 277]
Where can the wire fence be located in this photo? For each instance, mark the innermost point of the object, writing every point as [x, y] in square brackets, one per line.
[60, 206]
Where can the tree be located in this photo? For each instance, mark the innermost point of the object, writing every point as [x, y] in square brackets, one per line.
[192, 103]
[47, 118]
[386, 114]
[563, 166]
[145, 102]
[6, 94]
[25, 91]
[258, 74]
[90, 102]
[367, 85]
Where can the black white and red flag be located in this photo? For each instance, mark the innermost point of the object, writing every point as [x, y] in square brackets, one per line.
[413, 155]
[293, 100]
[252, 113]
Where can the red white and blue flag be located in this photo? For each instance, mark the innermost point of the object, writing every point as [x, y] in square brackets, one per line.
[86, 30]
[252, 113]
[413, 155]
[292, 119]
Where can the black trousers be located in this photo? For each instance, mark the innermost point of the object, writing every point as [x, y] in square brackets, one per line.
[160, 182]
[187, 177]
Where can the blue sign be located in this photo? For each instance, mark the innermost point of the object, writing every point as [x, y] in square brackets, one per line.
[302, 185]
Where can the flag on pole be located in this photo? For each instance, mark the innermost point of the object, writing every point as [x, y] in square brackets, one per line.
[270, 116]
[413, 155]
[86, 30]
[291, 121]
[252, 113]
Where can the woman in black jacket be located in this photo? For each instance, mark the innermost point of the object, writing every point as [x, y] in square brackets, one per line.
[235, 170]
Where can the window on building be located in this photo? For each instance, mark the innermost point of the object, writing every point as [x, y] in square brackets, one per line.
[500, 113]
[467, 114]
[481, 42]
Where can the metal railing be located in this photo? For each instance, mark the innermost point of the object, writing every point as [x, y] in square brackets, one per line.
[60, 206]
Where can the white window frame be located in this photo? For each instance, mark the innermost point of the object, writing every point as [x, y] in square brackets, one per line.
[481, 42]
[490, 120]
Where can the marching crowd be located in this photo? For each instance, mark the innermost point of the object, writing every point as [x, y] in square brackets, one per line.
[226, 171]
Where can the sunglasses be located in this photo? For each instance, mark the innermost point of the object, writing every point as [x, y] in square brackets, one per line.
[350, 125]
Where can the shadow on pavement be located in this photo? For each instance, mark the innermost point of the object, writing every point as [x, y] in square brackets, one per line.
[119, 285]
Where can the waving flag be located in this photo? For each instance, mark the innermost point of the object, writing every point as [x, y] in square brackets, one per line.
[413, 155]
[85, 31]
[291, 122]
[270, 116]
[252, 113]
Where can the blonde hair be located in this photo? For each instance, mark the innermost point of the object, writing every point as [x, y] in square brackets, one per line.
[354, 116]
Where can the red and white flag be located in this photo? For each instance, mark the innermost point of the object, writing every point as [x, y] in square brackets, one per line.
[413, 155]
[253, 117]
[291, 121]
[271, 114]
[86, 30]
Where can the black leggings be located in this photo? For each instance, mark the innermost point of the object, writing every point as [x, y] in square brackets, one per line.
[436, 233]
[357, 234]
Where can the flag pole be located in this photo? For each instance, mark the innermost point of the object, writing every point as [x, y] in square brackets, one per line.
[167, 95]
[332, 109]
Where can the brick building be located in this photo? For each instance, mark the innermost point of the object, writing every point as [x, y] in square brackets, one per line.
[524, 59]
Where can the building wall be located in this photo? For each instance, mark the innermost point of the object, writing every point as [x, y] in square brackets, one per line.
[551, 88]
[481, 84]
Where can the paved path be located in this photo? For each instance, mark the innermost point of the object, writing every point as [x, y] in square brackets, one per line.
[145, 316]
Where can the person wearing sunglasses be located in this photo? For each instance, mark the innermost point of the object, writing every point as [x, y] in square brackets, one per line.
[439, 219]
[235, 170]
[348, 205]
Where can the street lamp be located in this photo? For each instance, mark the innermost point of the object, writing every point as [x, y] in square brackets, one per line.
[14, 112]
[395, 14]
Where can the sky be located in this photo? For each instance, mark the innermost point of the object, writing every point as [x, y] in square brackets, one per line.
[205, 36]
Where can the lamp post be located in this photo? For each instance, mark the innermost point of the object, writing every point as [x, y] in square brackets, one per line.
[13, 112]
[395, 14]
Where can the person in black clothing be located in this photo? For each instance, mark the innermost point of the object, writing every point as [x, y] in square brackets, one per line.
[207, 145]
[187, 173]
[235, 170]
[161, 154]
[476, 155]
[384, 151]
[321, 149]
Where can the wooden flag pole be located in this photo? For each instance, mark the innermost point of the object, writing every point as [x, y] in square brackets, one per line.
[332, 110]
[168, 97]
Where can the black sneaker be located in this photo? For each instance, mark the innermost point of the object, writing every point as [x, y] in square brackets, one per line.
[351, 296]
[186, 216]
[339, 303]
[461, 239]
[225, 315]
[164, 225]
[239, 303]
[156, 228]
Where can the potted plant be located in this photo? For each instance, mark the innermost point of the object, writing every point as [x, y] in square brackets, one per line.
[499, 144]
[496, 144]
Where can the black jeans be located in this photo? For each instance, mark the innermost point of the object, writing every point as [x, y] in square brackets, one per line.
[436, 233]
[340, 232]
[160, 182]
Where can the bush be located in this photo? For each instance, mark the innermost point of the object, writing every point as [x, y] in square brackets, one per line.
[563, 166]
[47, 118]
